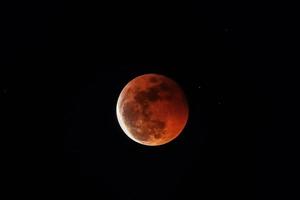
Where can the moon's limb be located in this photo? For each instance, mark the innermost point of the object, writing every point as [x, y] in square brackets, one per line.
[152, 110]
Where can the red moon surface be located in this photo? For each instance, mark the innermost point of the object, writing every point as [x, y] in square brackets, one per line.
[152, 109]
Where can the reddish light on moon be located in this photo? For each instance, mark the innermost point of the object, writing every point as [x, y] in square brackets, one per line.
[152, 110]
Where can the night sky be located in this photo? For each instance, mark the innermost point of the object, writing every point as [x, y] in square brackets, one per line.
[212, 158]
[74, 58]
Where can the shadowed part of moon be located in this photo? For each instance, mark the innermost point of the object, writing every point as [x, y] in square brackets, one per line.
[147, 104]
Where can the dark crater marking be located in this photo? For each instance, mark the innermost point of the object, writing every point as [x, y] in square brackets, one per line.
[153, 80]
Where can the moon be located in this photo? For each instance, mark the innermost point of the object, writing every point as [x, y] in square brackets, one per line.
[152, 109]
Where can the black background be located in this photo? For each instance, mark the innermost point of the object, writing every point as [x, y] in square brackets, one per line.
[65, 64]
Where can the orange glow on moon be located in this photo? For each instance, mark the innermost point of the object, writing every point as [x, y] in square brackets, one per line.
[152, 109]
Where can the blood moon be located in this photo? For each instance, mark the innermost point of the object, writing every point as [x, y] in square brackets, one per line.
[152, 109]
